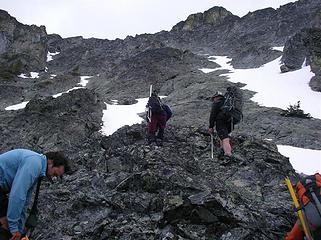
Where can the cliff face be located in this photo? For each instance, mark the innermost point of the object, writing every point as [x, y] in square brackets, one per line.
[248, 39]
[304, 46]
[22, 47]
[212, 17]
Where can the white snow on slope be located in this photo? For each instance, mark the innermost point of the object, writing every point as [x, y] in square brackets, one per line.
[276, 89]
[83, 82]
[117, 116]
[17, 106]
[305, 161]
[50, 56]
[32, 75]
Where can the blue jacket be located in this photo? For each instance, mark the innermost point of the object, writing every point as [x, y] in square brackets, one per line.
[19, 172]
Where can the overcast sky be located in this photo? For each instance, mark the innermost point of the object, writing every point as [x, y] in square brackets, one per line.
[118, 18]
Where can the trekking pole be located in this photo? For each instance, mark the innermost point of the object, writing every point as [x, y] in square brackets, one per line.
[212, 146]
[316, 200]
[301, 214]
[149, 113]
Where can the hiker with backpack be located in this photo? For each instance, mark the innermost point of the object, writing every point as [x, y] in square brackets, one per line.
[160, 130]
[309, 198]
[225, 113]
[20, 171]
[158, 115]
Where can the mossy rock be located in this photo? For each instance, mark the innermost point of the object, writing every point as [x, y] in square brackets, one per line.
[12, 70]
[216, 15]
[75, 71]
[316, 63]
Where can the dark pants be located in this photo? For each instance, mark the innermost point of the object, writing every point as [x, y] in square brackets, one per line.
[3, 203]
[158, 122]
[223, 126]
[4, 233]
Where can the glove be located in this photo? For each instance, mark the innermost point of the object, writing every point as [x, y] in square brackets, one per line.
[16, 236]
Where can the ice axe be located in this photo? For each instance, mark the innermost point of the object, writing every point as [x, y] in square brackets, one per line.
[212, 146]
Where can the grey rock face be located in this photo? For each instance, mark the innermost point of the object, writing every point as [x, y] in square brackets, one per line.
[49, 124]
[22, 47]
[160, 67]
[123, 189]
[244, 38]
[212, 17]
[305, 45]
[177, 191]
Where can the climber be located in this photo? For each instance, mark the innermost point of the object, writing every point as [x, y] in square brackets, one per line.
[20, 170]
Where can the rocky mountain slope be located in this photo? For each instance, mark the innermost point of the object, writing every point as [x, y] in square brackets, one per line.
[22, 47]
[123, 189]
[304, 47]
[176, 191]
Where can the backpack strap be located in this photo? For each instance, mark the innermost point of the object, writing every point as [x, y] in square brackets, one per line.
[312, 191]
[34, 209]
[32, 220]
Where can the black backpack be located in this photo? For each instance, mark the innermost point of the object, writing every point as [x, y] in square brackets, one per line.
[155, 104]
[233, 104]
[168, 111]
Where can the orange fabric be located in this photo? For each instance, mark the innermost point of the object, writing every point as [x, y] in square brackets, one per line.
[301, 189]
[318, 179]
[296, 233]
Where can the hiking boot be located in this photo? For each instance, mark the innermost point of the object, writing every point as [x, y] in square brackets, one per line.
[220, 154]
[227, 160]
[159, 142]
[151, 139]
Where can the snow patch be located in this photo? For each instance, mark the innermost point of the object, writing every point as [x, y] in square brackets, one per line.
[116, 116]
[305, 161]
[50, 56]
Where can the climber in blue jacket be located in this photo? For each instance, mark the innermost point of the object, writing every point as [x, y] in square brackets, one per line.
[20, 170]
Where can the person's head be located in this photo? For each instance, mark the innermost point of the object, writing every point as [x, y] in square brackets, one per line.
[155, 93]
[57, 164]
[217, 95]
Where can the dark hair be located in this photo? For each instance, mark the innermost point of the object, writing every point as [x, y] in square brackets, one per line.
[154, 94]
[59, 160]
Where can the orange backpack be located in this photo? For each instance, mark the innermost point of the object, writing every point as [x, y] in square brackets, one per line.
[308, 184]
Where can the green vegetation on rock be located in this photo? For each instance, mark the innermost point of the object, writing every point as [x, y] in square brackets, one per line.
[295, 111]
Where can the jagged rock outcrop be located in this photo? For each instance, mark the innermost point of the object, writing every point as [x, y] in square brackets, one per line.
[24, 89]
[250, 37]
[95, 56]
[48, 124]
[159, 67]
[22, 47]
[304, 46]
[212, 17]
[173, 192]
